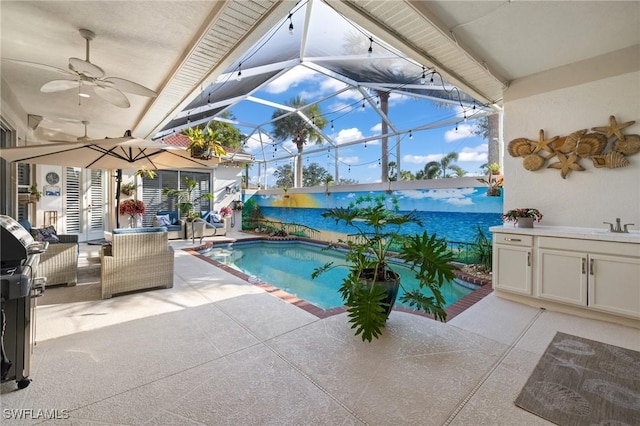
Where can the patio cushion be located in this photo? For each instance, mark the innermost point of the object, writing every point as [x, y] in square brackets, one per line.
[149, 229]
[211, 216]
[173, 216]
[45, 234]
[164, 219]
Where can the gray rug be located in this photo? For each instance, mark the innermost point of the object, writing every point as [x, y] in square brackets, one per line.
[583, 382]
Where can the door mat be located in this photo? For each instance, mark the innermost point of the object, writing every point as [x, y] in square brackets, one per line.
[583, 382]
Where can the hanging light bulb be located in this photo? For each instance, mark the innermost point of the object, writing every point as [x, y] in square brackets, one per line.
[423, 79]
[239, 76]
[378, 100]
[431, 81]
[313, 119]
[349, 169]
[332, 128]
[370, 51]
[456, 127]
[365, 145]
[290, 25]
[465, 115]
[379, 162]
[410, 134]
[363, 104]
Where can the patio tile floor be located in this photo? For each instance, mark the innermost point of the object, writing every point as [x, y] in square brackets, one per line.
[216, 350]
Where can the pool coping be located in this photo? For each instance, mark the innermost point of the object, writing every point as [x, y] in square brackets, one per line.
[452, 310]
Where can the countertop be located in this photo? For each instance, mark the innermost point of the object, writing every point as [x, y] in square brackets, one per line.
[596, 234]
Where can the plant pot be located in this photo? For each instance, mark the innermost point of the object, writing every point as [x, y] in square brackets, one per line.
[494, 192]
[390, 282]
[201, 153]
[525, 222]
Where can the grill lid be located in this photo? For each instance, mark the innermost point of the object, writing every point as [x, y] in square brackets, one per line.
[16, 244]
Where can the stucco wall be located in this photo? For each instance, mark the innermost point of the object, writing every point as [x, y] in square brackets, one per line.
[584, 198]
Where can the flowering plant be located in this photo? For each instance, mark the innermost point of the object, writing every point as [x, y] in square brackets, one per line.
[226, 211]
[513, 215]
[132, 207]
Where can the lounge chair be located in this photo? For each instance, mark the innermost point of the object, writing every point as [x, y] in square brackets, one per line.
[170, 220]
[136, 259]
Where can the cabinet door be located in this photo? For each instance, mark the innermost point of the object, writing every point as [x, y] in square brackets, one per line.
[512, 268]
[614, 284]
[562, 276]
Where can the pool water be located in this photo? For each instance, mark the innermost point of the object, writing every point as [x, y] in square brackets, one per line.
[288, 266]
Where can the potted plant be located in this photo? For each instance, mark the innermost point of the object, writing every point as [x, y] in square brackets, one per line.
[203, 144]
[524, 218]
[148, 174]
[133, 208]
[34, 193]
[494, 185]
[128, 188]
[226, 211]
[186, 198]
[371, 286]
[494, 168]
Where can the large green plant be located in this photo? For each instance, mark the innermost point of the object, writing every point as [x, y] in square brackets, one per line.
[186, 198]
[378, 239]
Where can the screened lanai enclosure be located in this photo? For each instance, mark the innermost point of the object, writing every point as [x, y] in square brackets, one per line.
[350, 72]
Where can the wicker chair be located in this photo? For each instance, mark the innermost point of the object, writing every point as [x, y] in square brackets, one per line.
[59, 264]
[137, 259]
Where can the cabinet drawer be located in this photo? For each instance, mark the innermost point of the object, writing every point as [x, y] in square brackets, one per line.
[513, 239]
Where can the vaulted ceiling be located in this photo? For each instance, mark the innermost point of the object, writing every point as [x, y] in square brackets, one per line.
[178, 48]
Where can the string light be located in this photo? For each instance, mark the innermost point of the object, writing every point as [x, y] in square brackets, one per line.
[423, 79]
[410, 134]
[313, 119]
[365, 144]
[378, 100]
[332, 128]
[290, 25]
[239, 76]
[363, 104]
[349, 169]
[370, 51]
[379, 162]
[431, 81]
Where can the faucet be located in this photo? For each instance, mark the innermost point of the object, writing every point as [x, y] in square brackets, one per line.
[621, 229]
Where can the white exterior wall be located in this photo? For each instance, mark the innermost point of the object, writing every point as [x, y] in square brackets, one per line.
[226, 177]
[590, 92]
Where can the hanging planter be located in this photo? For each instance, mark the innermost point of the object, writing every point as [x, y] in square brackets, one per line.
[204, 145]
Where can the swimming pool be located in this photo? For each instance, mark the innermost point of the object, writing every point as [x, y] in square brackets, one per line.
[288, 265]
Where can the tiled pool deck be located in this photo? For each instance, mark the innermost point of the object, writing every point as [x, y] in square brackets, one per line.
[216, 350]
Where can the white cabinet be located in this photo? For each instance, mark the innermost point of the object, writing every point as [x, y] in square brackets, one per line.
[562, 276]
[512, 260]
[614, 284]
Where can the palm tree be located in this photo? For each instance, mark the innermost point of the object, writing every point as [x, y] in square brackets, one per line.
[445, 163]
[431, 170]
[298, 127]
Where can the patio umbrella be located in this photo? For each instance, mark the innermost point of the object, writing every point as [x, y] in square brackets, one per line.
[109, 153]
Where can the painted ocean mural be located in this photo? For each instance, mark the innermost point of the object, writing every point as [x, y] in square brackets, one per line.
[452, 213]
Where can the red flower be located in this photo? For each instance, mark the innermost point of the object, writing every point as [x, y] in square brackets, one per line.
[132, 207]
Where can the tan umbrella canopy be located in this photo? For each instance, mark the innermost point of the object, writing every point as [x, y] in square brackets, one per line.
[110, 153]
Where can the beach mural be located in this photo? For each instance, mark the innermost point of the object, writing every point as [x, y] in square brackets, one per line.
[452, 213]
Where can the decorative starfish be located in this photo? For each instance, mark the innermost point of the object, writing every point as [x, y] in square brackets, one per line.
[614, 128]
[543, 144]
[565, 164]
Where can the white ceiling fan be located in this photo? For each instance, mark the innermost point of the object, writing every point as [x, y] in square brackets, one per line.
[85, 73]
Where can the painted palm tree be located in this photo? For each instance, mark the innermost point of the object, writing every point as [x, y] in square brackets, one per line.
[301, 126]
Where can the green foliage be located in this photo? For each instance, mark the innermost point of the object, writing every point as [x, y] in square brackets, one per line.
[206, 138]
[378, 224]
[314, 175]
[187, 198]
[297, 128]
[229, 136]
[284, 176]
[483, 250]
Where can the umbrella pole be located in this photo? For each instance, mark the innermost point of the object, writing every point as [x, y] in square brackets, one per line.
[118, 182]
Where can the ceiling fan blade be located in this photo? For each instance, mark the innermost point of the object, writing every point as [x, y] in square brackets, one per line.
[40, 66]
[85, 68]
[113, 96]
[130, 87]
[58, 86]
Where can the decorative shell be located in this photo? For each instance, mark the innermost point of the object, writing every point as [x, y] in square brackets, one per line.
[591, 144]
[520, 147]
[629, 145]
[571, 141]
[533, 162]
[610, 160]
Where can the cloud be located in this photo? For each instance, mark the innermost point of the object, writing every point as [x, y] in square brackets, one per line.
[349, 160]
[253, 143]
[292, 78]
[377, 128]
[479, 153]
[348, 135]
[421, 159]
[454, 196]
[464, 131]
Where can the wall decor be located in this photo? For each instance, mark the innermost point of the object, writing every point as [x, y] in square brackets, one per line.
[607, 147]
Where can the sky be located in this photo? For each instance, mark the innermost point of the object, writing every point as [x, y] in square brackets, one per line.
[348, 121]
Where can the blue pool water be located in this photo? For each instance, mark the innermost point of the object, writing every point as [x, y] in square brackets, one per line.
[288, 266]
[453, 226]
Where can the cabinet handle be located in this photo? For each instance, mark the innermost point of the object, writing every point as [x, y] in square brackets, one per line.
[529, 259]
[513, 239]
[591, 266]
[584, 265]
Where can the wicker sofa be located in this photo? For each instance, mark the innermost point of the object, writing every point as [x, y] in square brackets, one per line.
[175, 227]
[59, 264]
[207, 225]
[136, 259]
